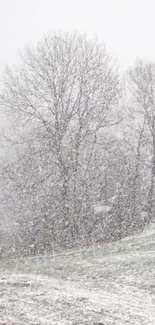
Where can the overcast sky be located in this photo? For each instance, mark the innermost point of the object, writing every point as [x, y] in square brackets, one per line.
[126, 26]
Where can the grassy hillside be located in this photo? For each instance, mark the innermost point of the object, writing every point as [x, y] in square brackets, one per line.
[116, 285]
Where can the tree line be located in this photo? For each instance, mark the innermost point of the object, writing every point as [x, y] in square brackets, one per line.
[79, 161]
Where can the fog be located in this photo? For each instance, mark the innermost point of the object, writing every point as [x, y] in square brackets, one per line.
[77, 162]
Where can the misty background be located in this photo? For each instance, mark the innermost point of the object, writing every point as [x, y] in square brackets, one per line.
[116, 164]
[126, 27]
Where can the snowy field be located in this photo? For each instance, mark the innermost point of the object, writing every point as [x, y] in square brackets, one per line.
[116, 286]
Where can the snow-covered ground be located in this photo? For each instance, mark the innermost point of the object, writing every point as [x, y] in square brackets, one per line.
[115, 288]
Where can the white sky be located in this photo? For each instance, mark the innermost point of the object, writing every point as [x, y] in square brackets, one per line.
[126, 26]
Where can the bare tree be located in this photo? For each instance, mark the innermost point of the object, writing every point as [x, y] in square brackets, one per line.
[142, 86]
[61, 94]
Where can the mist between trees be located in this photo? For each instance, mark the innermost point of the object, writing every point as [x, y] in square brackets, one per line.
[78, 159]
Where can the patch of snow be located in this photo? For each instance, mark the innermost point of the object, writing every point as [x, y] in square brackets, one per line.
[98, 208]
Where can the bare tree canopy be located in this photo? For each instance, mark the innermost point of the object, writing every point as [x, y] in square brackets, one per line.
[62, 95]
[142, 86]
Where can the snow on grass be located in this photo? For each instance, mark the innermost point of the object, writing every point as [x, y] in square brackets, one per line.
[99, 208]
[113, 288]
